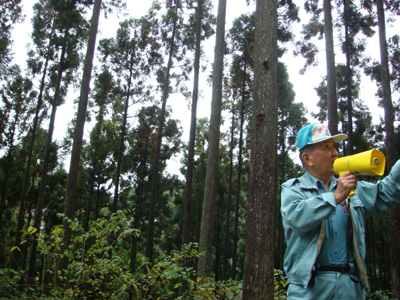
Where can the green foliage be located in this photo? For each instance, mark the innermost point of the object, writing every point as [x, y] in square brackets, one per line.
[98, 269]
[394, 58]
[163, 279]
[10, 14]
[217, 290]
[97, 266]
[9, 279]
[280, 282]
[378, 295]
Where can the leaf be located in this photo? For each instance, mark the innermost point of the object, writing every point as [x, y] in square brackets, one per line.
[230, 294]
[15, 248]
[32, 229]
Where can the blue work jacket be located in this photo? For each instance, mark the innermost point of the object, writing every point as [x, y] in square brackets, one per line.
[304, 209]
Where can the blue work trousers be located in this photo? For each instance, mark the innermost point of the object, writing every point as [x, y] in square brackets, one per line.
[328, 285]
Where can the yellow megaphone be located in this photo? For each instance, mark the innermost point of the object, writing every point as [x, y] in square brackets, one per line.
[370, 162]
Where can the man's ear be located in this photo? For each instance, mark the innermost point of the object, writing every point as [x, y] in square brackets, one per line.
[306, 156]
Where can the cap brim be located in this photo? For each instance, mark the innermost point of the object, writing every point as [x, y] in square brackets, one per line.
[339, 137]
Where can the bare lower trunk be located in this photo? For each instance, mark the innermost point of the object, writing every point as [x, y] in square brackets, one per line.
[258, 277]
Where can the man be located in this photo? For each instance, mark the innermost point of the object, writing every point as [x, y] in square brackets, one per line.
[324, 228]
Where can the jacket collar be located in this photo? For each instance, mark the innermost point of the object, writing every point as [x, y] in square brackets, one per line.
[307, 181]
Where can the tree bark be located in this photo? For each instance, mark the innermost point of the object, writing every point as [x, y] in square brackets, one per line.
[258, 278]
[156, 176]
[239, 175]
[69, 203]
[122, 138]
[390, 147]
[138, 210]
[192, 136]
[95, 169]
[331, 69]
[228, 200]
[210, 188]
[348, 42]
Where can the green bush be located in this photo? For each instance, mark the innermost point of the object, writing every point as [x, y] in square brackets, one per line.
[378, 295]
[280, 282]
[98, 268]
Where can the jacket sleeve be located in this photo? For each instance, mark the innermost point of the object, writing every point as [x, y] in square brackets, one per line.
[304, 210]
[382, 196]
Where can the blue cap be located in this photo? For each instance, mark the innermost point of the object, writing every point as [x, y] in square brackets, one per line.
[315, 133]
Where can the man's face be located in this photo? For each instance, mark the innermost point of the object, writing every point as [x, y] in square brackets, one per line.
[320, 160]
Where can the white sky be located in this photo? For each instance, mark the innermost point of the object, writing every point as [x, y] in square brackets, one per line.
[303, 84]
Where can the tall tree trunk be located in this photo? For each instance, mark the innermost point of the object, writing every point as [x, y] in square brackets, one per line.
[90, 200]
[122, 138]
[210, 188]
[156, 176]
[8, 162]
[382, 265]
[54, 105]
[331, 69]
[192, 137]
[239, 175]
[348, 42]
[217, 244]
[390, 147]
[203, 169]
[372, 253]
[138, 212]
[4, 183]
[228, 200]
[69, 202]
[43, 181]
[39, 204]
[27, 173]
[278, 221]
[95, 169]
[138, 216]
[258, 276]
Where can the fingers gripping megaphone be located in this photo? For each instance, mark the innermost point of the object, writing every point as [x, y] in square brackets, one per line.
[370, 162]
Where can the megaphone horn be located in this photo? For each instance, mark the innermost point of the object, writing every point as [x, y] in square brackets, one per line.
[370, 162]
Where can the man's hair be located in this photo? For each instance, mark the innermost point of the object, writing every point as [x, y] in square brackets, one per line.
[308, 148]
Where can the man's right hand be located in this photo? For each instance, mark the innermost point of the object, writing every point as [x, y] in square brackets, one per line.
[346, 183]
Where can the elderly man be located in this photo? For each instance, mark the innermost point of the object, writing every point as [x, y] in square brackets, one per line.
[324, 228]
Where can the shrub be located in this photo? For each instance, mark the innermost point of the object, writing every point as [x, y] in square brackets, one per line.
[378, 295]
[97, 268]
